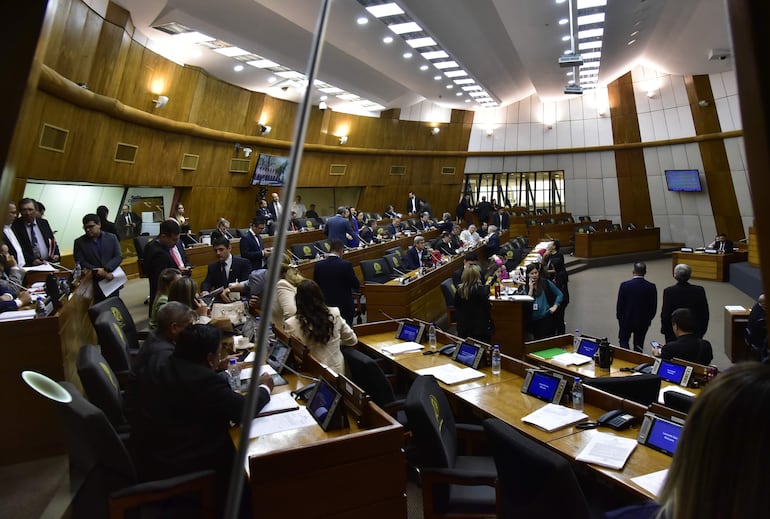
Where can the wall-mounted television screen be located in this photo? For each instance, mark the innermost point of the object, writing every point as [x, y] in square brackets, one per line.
[270, 170]
[683, 180]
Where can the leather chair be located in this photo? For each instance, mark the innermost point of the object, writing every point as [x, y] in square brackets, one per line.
[396, 250]
[448, 290]
[119, 310]
[323, 245]
[304, 251]
[366, 373]
[395, 262]
[452, 485]
[376, 271]
[678, 401]
[140, 242]
[103, 479]
[101, 386]
[642, 389]
[114, 344]
[532, 480]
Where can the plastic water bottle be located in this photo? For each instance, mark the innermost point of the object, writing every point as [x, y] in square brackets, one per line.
[234, 375]
[496, 359]
[576, 340]
[577, 394]
[432, 336]
[76, 274]
[39, 307]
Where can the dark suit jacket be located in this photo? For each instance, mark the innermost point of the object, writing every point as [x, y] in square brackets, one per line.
[474, 314]
[273, 210]
[416, 260]
[216, 234]
[125, 230]
[413, 205]
[89, 257]
[392, 230]
[239, 271]
[365, 234]
[20, 230]
[251, 249]
[493, 244]
[637, 304]
[338, 281]
[156, 258]
[501, 221]
[684, 295]
[336, 227]
[688, 347]
[483, 210]
[728, 246]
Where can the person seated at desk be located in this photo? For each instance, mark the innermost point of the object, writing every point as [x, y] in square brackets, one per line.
[11, 298]
[471, 260]
[172, 318]
[167, 276]
[184, 411]
[222, 230]
[470, 237]
[229, 272]
[320, 327]
[687, 346]
[285, 295]
[724, 440]
[185, 291]
[473, 311]
[390, 212]
[11, 275]
[311, 212]
[395, 227]
[721, 243]
[367, 233]
[547, 299]
[757, 327]
[424, 224]
[443, 244]
[446, 224]
[418, 256]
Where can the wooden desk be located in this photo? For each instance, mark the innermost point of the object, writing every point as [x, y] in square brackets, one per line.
[295, 237]
[735, 321]
[754, 247]
[551, 231]
[708, 266]
[616, 242]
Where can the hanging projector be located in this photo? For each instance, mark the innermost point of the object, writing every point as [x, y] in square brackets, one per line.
[573, 89]
[570, 60]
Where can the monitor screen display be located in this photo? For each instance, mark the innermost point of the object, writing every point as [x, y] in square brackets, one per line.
[683, 180]
[409, 332]
[664, 436]
[323, 402]
[270, 170]
[671, 372]
[587, 347]
[543, 386]
[466, 354]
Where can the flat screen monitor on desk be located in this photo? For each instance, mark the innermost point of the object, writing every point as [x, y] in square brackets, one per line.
[469, 354]
[324, 403]
[673, 372]
[544, 385]
[659, 434]
[410, 331]
[587, 347]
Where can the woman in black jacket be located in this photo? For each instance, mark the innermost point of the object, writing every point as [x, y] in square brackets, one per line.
[473, 310]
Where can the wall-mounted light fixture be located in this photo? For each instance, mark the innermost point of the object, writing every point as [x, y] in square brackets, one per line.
[160, 102]
[343, 139]
[322, 105]
[435, 130]
[703, 103]
[247, 152]
[651, 93]
[264, 129]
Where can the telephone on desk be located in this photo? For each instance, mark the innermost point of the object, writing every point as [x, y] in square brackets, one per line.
[617, 419]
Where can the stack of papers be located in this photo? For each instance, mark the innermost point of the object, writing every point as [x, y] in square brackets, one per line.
[404, 347]
[552, 417]
[608, 450]
[451, 374]
[279, 403]
[565, 359]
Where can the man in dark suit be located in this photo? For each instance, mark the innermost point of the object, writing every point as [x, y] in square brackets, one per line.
[165, 251]
[337, 280]
[252, 246]
[275, 207]
[492, 241]
[636, 307]
[501, 219]
[425, 224]
[184, 409]
[722, 244]
[338, 226]
[128, 223]
[395, 227]
[417, 256]
[687, 345]
[413, 203]
[229, 272]
[471, 260]
[684, 295]
[98, 252]
[34, 235]
[484, 210]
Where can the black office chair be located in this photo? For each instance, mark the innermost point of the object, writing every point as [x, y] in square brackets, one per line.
[103, 479]
[616, 227]
[678, 401]
[366, 373]
[448, 290]
[376, 271]
[204, 232]
[242, 232]
[101, 386]
[112, 340]
[642, 389]
[450, 483]
[303, 251]
[140, 242]
[584, 218]
[309, 223]
[528, 474]
[395, 263]
[396, 250]
[323, 245]
[119, 310]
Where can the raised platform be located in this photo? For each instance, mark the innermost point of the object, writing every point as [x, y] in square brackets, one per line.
[746, 278]
[575, 265]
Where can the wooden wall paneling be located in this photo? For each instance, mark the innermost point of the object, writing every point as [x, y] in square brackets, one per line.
[716, 168]
[110, 57]
[134, 77]
[58, 11]
[73, 57]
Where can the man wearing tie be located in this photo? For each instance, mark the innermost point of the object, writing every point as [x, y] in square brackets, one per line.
[128, 223]
[502, 220]
[165, 251]
[722, 244]
[252, 247]
[99, 252]
[229, 272]
[275, 207]
[425, 224]
[34, 235]
[417, 256]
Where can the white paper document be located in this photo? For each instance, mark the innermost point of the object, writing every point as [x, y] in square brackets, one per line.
[675, 389]
[652, 482]
[566, 359]
[280, 422]
[451, 374]
[18, 315]
[267, 368]
[118, 280]
[552, 417]
[279, 403]
[608, 450]
[45, 267]
[404, 347]
[735, 308]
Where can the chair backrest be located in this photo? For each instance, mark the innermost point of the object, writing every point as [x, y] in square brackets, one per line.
[140, 242]
[396, 250]
[308, 223]
[376, 271]
[304, 250]
[101, 384]
[113, 341]
[324, 245]
[242, 232]
[366, 374]
[203, 232]
[395, 262]
[448, 289]
[119, 310]
[642, 388]
[678, 401]
[584, 218]
[527, 475]
[616, 227]
[432, 423]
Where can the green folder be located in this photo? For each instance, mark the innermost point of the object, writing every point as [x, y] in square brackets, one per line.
[549, 353]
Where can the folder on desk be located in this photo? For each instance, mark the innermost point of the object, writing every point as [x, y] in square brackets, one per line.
[404, 347]
[548, 354]
[566, 359]
[552, 417]
[450, 374]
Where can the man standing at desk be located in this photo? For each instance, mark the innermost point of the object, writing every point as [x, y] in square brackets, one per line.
[338, 226]
[128, 223]
[252, 247]
[35, 235]
[684, 295]
[163, 252]
[229, 272]
[99, 252]
[338, 281]
[636, 307]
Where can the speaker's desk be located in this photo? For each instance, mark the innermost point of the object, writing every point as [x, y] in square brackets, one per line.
[715, 267]
[616, 242]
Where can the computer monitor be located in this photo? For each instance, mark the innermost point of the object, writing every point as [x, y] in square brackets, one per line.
[659, 434]
[323, 403]
[587, 347]
[544, 385]
[469, 354]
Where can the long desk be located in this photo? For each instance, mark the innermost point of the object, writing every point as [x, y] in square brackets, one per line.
[709, 266]
[616, 242]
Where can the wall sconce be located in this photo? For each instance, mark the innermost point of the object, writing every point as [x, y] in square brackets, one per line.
[343, 139]
[435, 131]
[703, 103]
[264, 130]
[322, 105]
[247, 152]
[490, 132]
[651, 93]
[160, 102]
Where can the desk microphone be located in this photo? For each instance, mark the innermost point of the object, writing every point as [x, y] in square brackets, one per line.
[60, 266]
[319, 249]
[292, 370]
[391, 319]
[400, 272]
[295, 259]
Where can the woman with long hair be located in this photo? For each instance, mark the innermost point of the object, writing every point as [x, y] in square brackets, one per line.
[185, 290]
[284, 304]
[473, 310]
[167, 276]
[184, 222]
[547, 300]
[319, 327]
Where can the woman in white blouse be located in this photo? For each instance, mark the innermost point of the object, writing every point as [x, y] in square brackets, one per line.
[284, 305]
[319, 327]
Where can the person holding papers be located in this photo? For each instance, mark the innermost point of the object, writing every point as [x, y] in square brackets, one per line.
[229, 272]
[98, 252]
[473, 310]
[184, 411]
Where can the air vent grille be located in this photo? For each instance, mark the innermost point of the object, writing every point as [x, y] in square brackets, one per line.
[240, 165]
[338, 169]
[190, 162]
[126, 153]
[448, 170]
[53, 138]
[398, 170]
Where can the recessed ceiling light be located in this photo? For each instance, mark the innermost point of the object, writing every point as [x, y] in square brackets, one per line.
[262, 63]
[471, 88]
[592, 55]
[590, 45]
[466, 81]
[387, 39]
[437, 78]
[590, 19]
[590, 33]
[192, 37]
[424, 67]
[560, 1]
[231, 51]
[445, 64]
[238, 68]
[382, 10]
[416, 43]
[586, 4]
[563, 21]
[634, 33]
[324, 98]
[271, 79]
[570, 73]
[403, 28]
[566, 37]
[362, 20]
[450, 87]
[407, 55]
[436, 54]
[455, 73]
[458, 94]
[467, 100]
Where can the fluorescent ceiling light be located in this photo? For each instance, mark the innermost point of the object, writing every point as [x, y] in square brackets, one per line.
[590, 64]
[437, 78]
[403, 28]
[570, 73]
[466, 81]
[436, 54]
[290, 74]
[563, 21]
[450, 86]
[566, 37]
[423, 67]
[471, 88]
[590, 33]
[445, 64]
[455, 73]
[238, 68]
[231, 52]
[591, 55]
[590, 45]
[192, 37]
[590, 19]
[331, 90]
[459, 94]
[323, 98]
[272, 79]
[587, 4]
[382, 10]
[362, 20]
[421, 42]
[407, 55]
[348, 97]
[262, 63]
[478, 94]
